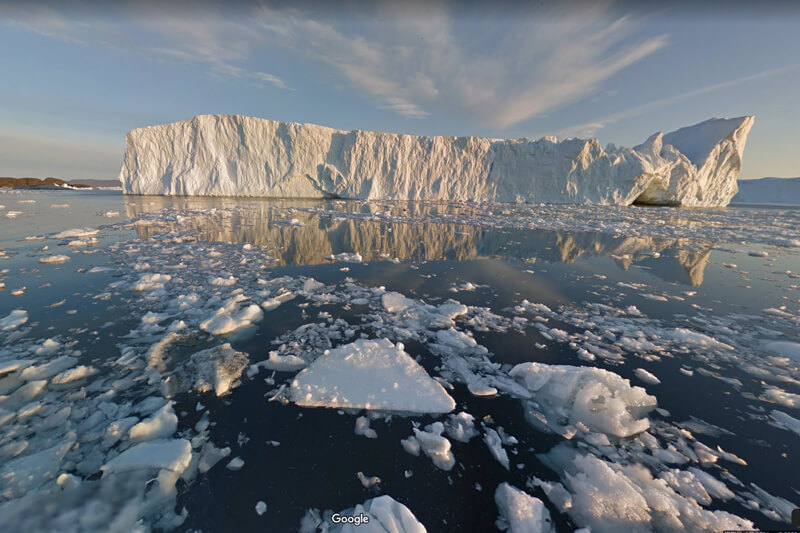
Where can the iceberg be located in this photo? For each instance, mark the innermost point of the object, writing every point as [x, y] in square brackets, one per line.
[233, 155]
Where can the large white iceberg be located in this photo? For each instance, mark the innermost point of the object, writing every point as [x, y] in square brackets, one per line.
[232, 155]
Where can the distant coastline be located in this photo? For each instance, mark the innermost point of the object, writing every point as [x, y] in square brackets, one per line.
[52, 183]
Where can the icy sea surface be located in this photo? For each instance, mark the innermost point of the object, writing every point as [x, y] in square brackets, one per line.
[189, 364]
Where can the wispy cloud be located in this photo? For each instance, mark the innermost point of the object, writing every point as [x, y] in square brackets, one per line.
[591, 128]
[492, 66]
[202, 35]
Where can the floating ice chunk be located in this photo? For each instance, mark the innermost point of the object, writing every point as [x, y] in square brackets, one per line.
[757, 253]
[210, 456]
[218, 369]
[74, 374]
[382, 514]
[281, 363]
[495, 445]
[12, 365]
[452, 309]
[698, 339]
[59, 206]
[394, 302]
[368, 481]
[13, 214]
[781, 397]
[23, 474]
[150, 282]
[54, 259]
[275, 302]
[13, 320]
[654, 297]
[436, 447]
[111, 214]
[23, 395]
[49, 369]
[261, 508]
[173, 454]
[222, 282]
[235, 464]
[76, 233]
[161, 424]
[346, 257]
[48, 347]
[231, 317]
[362, 428]
[785, 421]
[788, 349]
[609, 497]
[461, 427]
[521, 512]
[597, 398]
[646, 376]
[369, 374]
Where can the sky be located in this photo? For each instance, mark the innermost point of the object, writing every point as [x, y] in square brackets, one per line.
[77, 76]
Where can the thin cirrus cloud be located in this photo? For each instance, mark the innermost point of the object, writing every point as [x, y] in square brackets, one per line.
[590, 128]
[494, 67]
[199, 36]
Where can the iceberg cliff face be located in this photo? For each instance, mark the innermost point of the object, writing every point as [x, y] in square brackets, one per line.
[231, 155]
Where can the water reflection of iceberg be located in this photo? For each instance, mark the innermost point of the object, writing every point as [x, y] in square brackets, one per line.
[314, 238]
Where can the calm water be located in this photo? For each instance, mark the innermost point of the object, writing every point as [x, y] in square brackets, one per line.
[426, 252]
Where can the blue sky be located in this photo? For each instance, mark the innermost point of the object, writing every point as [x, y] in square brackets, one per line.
[77, 77]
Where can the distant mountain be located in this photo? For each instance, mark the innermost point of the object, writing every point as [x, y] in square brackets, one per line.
[96, 183]
[784, 191]
[6, 182]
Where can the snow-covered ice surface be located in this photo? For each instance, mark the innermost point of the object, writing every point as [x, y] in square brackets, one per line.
[521, 367]
[231, 155]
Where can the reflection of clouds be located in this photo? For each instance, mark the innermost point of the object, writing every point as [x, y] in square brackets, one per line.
[266, 222]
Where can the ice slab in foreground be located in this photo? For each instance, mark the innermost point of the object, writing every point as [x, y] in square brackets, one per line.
[521, 512]
[232, 155]
[370, 374]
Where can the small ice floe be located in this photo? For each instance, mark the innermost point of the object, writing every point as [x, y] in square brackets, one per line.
[19, 291]
[77, 233]
[461, 427]
[13, 320]
[465, 287]
[431, 443]
[787, 349]
[275, 302]
[59, 206]
[495, 445]
[757, 253]
[54, 259]
[161, 424]
[362, 428]
[111, 214]
[220, 281]
[235, 464]
[261, 508]
[232, 316]
[346, 257]
[370, 374]
[173, 455]
[13, 214]
[521, 512]
[26, 201]
[218, 369]
[646, 376]
[296, 222]
[785, 421]
[600, 400]
[368, 481]
[83, 243]
[654, 297]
